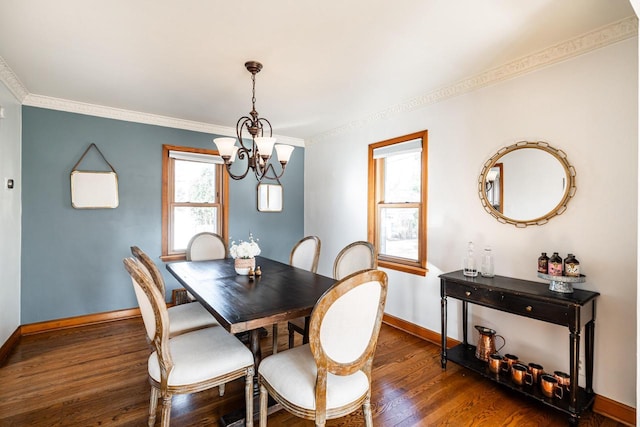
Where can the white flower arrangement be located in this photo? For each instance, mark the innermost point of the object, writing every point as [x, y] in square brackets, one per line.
[244, 249]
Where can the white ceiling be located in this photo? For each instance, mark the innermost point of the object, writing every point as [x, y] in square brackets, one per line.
[326, 63]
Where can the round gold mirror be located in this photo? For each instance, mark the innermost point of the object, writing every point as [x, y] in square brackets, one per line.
[527, 183]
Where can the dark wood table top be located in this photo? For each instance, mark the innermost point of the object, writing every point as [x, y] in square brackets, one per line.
[241, 304]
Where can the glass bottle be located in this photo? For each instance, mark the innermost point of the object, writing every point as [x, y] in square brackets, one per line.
[571, 266]
[486, 268]
[555, 265]
[543, 263]
[469, 267]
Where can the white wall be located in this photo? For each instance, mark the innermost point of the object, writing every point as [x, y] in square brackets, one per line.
[586, 106]
[10, 211]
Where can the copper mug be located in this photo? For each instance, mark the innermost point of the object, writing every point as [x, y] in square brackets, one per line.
[508, 361]
[564, 379]
[550, 387]
[520, 374]
[536, 372]
[495, 363]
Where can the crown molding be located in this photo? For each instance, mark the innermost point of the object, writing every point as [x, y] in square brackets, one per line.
[604, 36]
[8, 77]
[59, 104]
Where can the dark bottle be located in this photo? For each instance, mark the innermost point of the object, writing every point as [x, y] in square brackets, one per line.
[555, 265]
[571, 266]
[543, 263]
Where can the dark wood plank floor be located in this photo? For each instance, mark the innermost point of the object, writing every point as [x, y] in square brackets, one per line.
[97, 376]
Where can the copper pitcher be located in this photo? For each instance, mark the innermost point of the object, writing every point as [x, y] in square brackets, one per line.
[487, 343]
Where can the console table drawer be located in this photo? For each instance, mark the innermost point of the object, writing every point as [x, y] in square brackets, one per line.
[548, 312]
[467, 292]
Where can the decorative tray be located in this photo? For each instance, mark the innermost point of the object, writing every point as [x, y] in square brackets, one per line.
[562, 284]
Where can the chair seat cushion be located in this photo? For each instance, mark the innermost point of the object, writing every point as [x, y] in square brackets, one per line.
[189, 317]
[292, 373]
[201, 355]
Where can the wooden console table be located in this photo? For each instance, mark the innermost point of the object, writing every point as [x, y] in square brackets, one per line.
[533, 300]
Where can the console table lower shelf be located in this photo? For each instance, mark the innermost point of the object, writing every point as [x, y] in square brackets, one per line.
[464, 355]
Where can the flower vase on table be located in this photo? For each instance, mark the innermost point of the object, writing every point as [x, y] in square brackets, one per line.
[244, 265]
[244, 254]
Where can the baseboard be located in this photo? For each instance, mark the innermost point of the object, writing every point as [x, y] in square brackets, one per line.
[72, 322]
[604, 406]
[11, 342]
[615, 410]
[418, 331]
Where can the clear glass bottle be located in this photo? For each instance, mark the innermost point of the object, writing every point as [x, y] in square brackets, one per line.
[486, 267]
[469, 267]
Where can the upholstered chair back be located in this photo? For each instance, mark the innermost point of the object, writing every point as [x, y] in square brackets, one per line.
[205, 246]
[306, 253]
[356, 256]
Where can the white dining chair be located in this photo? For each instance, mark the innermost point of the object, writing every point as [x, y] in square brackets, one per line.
[331, 376]
[356, 256]
[206, 246]
[190, 362]
[305, 254]
[182, 317]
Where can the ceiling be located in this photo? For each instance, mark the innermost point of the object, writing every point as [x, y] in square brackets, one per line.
[326, 63]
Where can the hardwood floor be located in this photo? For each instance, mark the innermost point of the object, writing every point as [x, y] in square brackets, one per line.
[97, 376]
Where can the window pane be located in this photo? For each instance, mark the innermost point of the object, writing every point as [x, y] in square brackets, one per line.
[195, 182]
[399, 232]
[189, 221]
[402, 178]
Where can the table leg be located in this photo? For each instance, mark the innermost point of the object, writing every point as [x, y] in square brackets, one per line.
[574, 354]
[465, 317]
[443, 331]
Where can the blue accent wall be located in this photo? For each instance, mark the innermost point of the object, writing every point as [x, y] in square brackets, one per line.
[72, 258]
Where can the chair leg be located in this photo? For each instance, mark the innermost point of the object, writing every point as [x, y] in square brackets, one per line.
[221, 389]
[275, 338]
[305, 334]
[248, 391]
[291, 335]
[366, 409]
[166, 411]
[264, 397]
[153, 405]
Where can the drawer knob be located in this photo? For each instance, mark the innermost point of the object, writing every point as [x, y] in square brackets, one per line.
[529, 308]
[468, 293]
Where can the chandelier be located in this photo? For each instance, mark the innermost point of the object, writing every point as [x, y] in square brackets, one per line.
[257, 154]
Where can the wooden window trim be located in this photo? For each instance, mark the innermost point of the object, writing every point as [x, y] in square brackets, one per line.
[375, 181]
[166, 199]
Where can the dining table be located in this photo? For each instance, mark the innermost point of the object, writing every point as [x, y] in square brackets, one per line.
[241, 303]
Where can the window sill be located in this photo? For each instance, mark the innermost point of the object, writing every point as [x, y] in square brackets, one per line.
[173, 257]
[411, 269]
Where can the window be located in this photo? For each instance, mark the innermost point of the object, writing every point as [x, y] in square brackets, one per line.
[194, 197]
[397, 223]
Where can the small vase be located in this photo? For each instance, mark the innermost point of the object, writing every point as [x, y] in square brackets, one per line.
[243, 265]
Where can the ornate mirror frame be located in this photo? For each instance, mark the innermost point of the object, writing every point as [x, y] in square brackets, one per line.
[569, 192]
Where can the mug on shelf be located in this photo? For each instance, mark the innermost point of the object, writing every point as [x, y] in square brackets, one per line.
[508, 361]
[550, 387]
[520, 374]
[536, 372]
[563, 378]
[495, 363]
